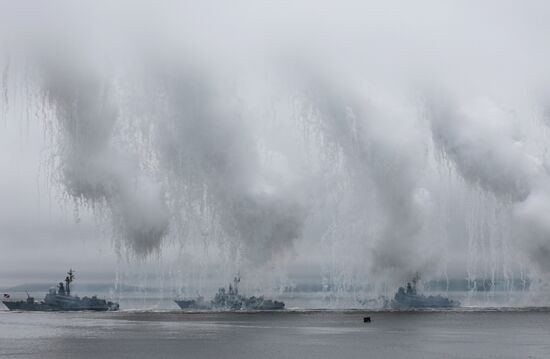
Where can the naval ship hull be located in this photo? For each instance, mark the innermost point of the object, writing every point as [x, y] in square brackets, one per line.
[267, 307]
[411, 300]
[41, 307]
[192, 304]
[230, 300]
[424, 303]
[186, 306]
[61, 300]
[252, 304]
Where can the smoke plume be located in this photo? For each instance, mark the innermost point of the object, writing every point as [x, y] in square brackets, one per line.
[272, 134]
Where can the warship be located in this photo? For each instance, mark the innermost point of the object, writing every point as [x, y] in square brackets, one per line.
[408, 298]
[197, 303]
[230, 299]
[60, 299]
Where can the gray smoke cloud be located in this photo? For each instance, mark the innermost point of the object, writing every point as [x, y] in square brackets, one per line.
[483, 148]
[487, 151]
[205, 146]
[184, 122]
[384, 163]
[163, 148]
[93, 170]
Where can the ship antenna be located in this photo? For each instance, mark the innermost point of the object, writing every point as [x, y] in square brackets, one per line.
[69, 279]
[236, 282]
[416, 277]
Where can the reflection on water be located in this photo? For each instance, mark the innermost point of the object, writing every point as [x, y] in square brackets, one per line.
[293, 334]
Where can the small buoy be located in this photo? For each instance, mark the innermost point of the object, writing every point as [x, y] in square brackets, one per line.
[366, 320]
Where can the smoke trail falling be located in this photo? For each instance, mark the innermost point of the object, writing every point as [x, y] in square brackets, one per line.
[385, 162]
[178, 156]
[93, 169]
[488, 153]
[158, 125]
[483, 148]
[203, 144]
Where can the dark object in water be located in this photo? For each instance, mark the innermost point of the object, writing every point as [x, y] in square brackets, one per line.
[232, 300]
[410, 299]
[62, 300]
[366, 320]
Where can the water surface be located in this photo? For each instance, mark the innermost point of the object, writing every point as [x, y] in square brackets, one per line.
[314, 334]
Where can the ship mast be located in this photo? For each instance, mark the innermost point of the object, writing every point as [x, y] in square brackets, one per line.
[236, 281]
[68, 281]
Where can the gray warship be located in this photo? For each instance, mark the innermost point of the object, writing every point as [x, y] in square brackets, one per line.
[408, 298]
[230, 299]
[60, 299]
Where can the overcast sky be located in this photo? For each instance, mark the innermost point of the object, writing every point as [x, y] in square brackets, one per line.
[349, 140]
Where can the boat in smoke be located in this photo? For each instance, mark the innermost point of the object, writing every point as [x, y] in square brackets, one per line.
[198, 303]
[60, 299]
[230, 299]
[408, 298]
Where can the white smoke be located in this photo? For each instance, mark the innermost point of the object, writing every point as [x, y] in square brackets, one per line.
[94, 168]
[166, 120]
[487, 151]
[385, 155]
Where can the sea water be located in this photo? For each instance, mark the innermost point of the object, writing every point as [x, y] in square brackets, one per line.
[464, 333]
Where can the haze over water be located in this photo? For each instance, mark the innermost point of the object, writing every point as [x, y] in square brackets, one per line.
[328, 152]
[181, 143]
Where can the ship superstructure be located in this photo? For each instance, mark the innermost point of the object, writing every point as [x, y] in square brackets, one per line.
[408, 298]
[230, 299]
[60, 299]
